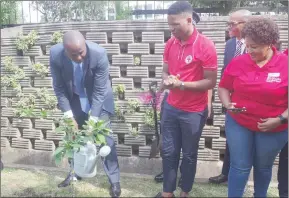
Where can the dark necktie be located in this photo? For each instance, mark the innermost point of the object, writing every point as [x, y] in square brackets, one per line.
[79, 89]
[238, 48]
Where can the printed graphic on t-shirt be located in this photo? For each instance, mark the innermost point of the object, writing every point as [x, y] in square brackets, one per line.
[189, 59]
[273, 77]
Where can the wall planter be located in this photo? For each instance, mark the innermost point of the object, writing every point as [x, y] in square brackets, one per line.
[120, 89]
[24, 43]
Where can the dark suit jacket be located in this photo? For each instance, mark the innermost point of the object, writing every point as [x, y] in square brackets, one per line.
[96, 78]
[230, 50]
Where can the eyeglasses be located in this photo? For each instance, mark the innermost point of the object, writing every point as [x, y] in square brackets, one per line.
[231, 24]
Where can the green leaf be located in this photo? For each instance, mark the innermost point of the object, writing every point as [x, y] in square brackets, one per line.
[99, 124]
[97, 142]
[106, 131]
[101, 138]
[59, 130]
[69, 153]
[58, 150]
[86, 139]
[58, 159]
[76, 145]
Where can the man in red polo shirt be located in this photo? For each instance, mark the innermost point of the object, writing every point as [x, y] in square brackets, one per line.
[189, 71]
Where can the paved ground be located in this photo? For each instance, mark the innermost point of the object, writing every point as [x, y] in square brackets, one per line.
[39, 183]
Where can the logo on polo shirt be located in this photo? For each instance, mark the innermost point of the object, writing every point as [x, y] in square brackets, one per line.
[273, 77]
[189, 59]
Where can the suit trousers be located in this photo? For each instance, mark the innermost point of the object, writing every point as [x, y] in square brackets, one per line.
[180, 131]
[110, 162]
[226, 163]
[283, 172]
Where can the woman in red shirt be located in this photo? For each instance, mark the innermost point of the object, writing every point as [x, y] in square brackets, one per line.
[254, 90]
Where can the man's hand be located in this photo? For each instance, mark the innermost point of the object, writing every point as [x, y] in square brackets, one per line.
[209, 110]
[168, 83]
[172, 82]
[268, 124]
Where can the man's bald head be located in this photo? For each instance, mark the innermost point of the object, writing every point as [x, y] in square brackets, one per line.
[73, 37]
[237, 21]
[241, 15]
[74, 44]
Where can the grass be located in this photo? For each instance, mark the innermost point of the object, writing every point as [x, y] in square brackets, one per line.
[36, 183]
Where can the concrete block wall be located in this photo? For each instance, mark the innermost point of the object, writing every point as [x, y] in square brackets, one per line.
[123, 40]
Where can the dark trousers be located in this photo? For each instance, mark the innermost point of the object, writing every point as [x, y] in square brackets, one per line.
[226, 163]
[283, 172]
[110, 163]
[180, 131]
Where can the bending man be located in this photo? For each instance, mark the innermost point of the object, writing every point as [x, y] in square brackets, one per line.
[80, 73]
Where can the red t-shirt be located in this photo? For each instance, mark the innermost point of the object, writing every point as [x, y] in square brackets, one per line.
[286, 52]
[263, 91]
[189, 60]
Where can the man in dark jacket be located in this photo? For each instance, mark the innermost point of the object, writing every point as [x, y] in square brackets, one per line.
[80, 73]
[234, 47]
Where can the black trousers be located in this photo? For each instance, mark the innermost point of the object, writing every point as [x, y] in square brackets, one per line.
[226, 163]
[283, 172]
[110, 163]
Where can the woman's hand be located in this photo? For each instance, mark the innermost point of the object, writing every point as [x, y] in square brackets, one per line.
[268, 124]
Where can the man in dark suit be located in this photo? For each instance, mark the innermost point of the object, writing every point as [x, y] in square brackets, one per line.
[282, 174]
[80, 73]
[234, 47]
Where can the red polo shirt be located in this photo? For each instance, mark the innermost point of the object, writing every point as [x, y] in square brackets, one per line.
[189, 60]
[263, 91]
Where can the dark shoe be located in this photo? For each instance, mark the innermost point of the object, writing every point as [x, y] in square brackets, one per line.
[180, 183]
[115, 190]
[68, 180]
[159, 178]
[218, 179]
[159, 195]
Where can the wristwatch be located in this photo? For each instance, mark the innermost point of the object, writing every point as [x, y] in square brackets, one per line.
[182, 87]
[283, 120]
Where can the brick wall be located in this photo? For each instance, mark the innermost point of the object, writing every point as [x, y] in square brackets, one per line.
[124, 40]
